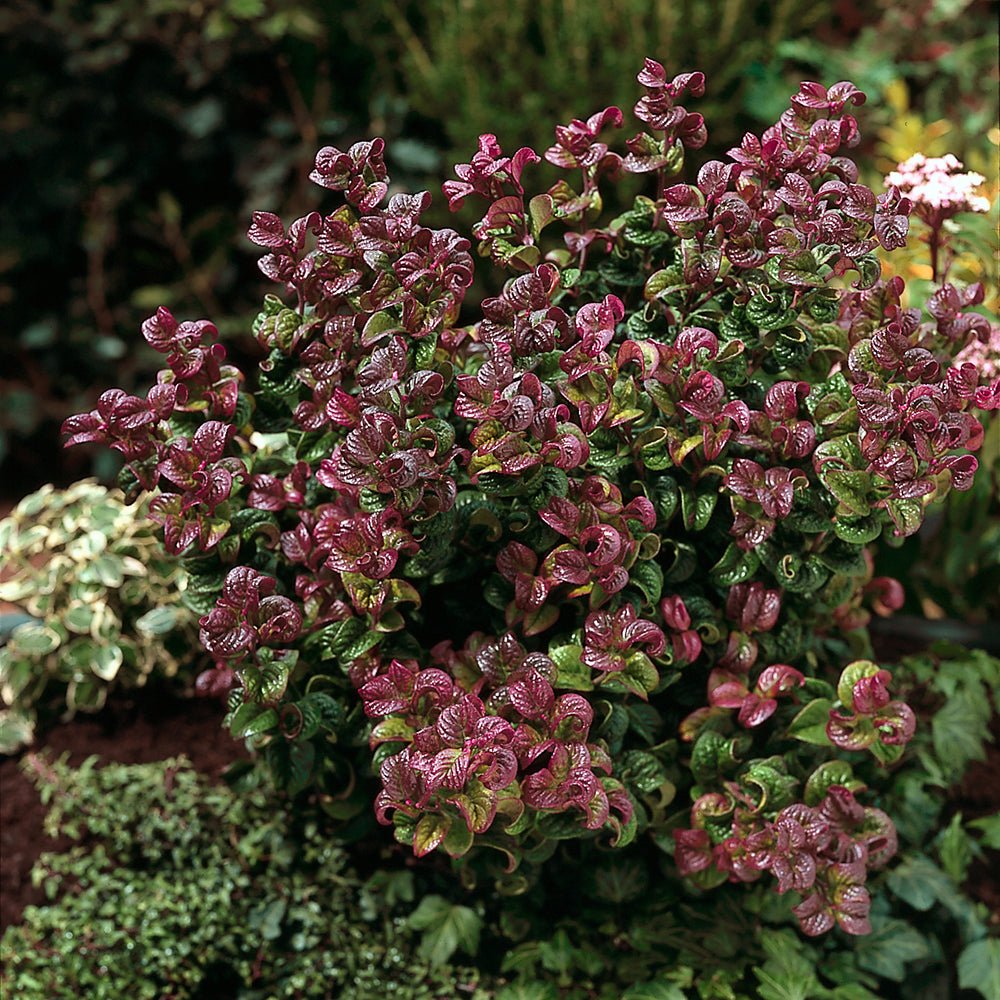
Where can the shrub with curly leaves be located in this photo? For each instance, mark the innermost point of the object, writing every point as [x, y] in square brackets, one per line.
[599, 548]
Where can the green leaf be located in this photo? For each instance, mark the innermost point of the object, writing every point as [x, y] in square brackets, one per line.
[800, 269]
[639, 675]
[158, 621]
[250, 719]
[107, 662]
[572, 673]
[919, 882]
[960, 729]
[477, 803]
[696, 508]
[955, 850]
[979, 967]
[528, 991]
[291, 763]
[641, 770]
[890, 946]
[542, 212]
[446, 929]
[458, 840]
[990, 825]
[655, 989]
[831, 772]
[735, 566]
[851, 487]
[809, 725]
[431, 831]
[850, 675]
[360, 646]
[645, 721]
[333, 639]
[538, 621]
[648, 577]
[776, 987]
[868, 267]
[906, 515]
[857, 530]
[80, 618]
[17, 729]
[34, 639]
[787, 974]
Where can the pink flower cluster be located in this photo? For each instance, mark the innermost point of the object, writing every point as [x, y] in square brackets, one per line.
[936, 185]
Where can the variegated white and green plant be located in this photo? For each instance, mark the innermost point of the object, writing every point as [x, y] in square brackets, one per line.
[93, 603]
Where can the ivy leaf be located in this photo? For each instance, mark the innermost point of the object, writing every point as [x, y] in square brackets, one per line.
[655, 989]
[955, 850]
[979, 967]
[890, 946]
[446, 929]
[919, 882]
[960, 729]
[527, 991]
[773, 986]
[809, 725]
[990, 825]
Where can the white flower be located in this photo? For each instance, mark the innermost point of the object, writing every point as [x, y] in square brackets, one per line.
[937, 184]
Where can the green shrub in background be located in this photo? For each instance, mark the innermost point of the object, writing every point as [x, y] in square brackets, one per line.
[464, 62]
[101, 601]
[185, 889]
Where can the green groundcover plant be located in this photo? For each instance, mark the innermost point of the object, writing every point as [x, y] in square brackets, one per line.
[178, 887]
[591, 565]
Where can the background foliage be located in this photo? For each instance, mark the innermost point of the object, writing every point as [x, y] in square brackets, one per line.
[118, 113]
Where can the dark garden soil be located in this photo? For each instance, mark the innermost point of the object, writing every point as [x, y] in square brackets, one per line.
[143, 727]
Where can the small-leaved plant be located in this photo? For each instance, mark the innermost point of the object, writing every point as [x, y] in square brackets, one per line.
[179, 887]
[99, 602]
[590, 562]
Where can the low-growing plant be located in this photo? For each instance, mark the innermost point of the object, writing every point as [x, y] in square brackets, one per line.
[179, 887]
[594, 564]
[101, 603]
